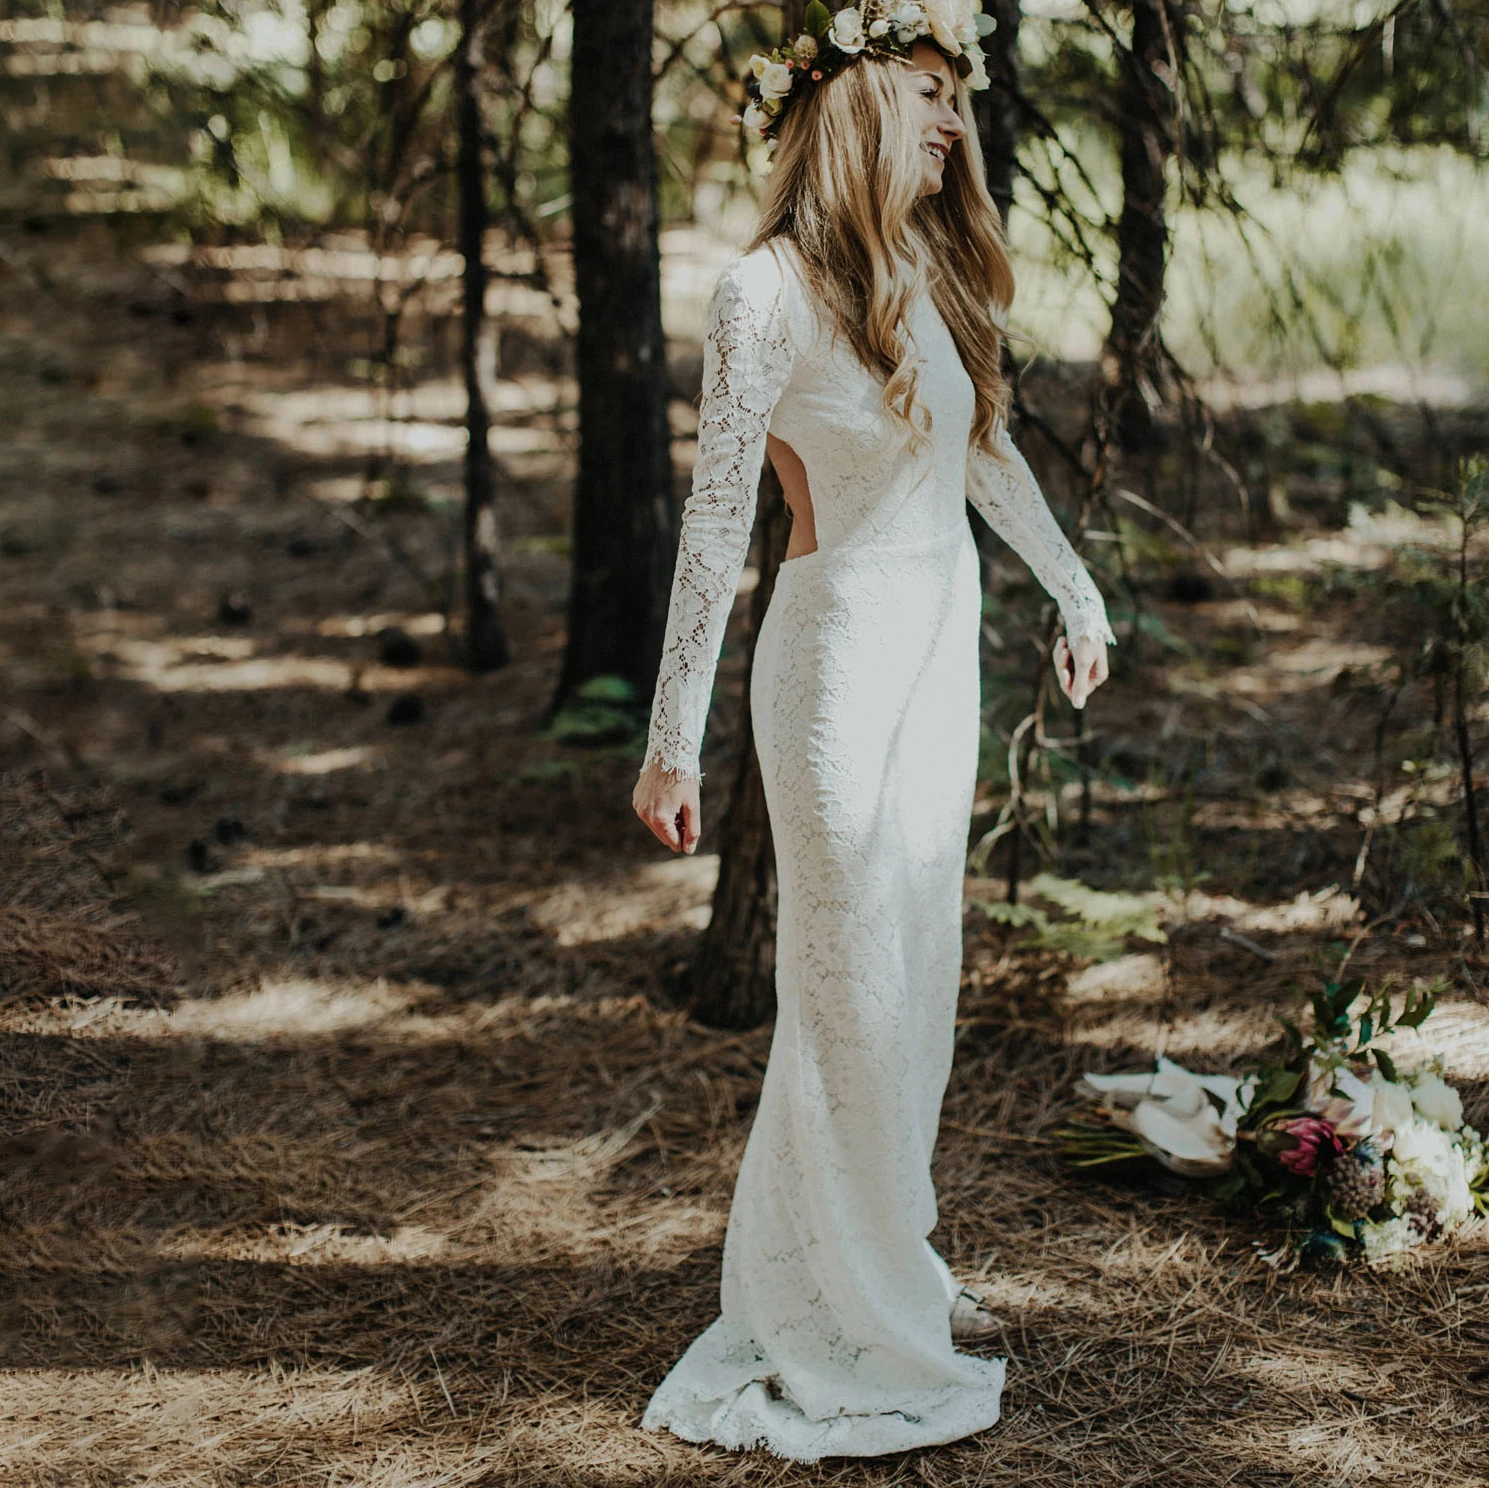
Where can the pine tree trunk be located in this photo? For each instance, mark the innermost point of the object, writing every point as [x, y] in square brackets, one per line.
[996, 109]
[485, 639]
[732, 979]
[1130, 362]
[625, 527]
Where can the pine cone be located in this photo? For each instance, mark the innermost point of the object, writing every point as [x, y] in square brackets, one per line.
[1354, 1186]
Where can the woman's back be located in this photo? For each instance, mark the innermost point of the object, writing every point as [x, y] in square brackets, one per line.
[866, 483]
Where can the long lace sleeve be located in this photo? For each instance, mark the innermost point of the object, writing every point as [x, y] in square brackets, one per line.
[1008, 497]
[746, 364]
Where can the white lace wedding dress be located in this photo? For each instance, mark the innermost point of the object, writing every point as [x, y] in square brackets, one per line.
[834, 1330]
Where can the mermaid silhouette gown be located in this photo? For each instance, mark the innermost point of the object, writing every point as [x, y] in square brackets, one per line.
[833, 1336]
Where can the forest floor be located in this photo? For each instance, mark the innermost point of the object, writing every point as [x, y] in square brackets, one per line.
[350, 1133]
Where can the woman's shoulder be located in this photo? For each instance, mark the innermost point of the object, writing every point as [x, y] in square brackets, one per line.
[769, 278]
[759, 274]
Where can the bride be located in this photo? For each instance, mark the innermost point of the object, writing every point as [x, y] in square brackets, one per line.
[857, 341]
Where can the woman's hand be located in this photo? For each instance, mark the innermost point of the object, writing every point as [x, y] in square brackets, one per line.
[669, 806]
[1081, 667]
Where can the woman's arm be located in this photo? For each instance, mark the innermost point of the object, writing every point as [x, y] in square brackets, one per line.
[746, 366]
[1008, 497]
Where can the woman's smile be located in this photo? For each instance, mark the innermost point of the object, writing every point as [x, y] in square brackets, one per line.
[931, 79]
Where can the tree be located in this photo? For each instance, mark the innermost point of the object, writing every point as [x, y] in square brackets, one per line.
[996, 109]
[485, 639]
[733, 975]
[625, 528]
[1150, 69]
[732, 978]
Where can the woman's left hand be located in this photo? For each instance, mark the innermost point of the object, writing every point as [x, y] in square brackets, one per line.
[1081, 667]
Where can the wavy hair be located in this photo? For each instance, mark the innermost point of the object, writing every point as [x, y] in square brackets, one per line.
[845, 188]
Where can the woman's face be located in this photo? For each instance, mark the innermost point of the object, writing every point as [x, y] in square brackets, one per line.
[929, 78]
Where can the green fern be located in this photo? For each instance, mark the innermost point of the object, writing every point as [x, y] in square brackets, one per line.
[1099, 926]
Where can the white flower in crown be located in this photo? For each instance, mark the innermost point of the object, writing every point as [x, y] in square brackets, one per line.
[977, 78]
[847, 31]
[775, 80]
[967, 30]
[756, 118]
[805, 50]
[942, 15]
[909, 21]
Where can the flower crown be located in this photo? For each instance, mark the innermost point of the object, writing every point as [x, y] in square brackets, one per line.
[883, 27]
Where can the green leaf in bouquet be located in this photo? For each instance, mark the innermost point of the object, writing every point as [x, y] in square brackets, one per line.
[1228, 1189]
[1294, 1034]
[1323, 1243]
[1245, 1165]
[1367, 1028]
[1386, 1065]
[1280, 1088]
[1085, 1144]
[1345, 1227]
[1419, 1004]
[1326, 1020]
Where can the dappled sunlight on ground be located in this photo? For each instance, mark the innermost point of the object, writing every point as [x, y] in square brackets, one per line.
[228, 664]
[679, 890]
[181, 1421]
[290, 1008]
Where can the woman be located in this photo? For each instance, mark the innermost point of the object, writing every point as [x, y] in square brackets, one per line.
[858, 340]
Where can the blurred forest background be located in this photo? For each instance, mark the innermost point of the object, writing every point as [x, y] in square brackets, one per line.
[372, 1083]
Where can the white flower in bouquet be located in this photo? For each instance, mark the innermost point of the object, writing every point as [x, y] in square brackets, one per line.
[1436, 1100]
[1339, 1096]
[1427, 1158]
[1392, 1107]
[1170, 1111]
[1387, 1241]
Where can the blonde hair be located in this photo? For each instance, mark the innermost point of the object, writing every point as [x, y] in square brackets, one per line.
[845, 188]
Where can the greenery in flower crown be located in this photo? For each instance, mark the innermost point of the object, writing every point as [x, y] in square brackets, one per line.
[832, 39]
[1347, 1154]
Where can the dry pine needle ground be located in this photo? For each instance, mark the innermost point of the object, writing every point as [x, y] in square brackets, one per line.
[459, 1245]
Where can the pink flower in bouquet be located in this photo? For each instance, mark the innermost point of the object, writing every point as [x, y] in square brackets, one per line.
[1313, 1142]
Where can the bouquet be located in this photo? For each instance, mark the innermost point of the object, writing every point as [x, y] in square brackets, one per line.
[1350, 1156]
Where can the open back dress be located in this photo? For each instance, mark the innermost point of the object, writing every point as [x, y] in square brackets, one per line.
[833, 1335]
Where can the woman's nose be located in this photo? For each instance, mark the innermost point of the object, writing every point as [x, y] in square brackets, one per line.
[953, 125]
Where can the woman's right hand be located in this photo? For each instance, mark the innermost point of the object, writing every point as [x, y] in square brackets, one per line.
[669, 806]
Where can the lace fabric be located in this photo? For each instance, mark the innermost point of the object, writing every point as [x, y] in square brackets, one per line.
[1007, 496]
[766, 366]
[747, 360]
[834, 1329]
